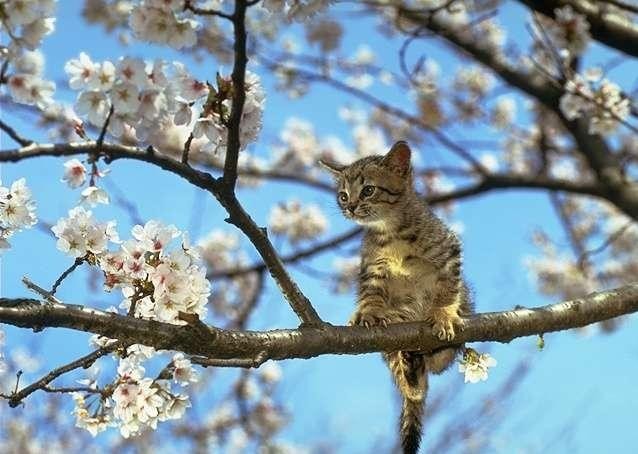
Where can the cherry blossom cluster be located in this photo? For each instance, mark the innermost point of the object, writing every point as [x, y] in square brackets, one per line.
[134, 402]
[504, 112]
[164, 22]
[557, 273]
[296, 10]
[491, 35]
[296, 221]
[26, 23]
[157, 283]
[215, 112]
[570, 31]
[596, 226]
[475, 365]
[80, 235]
[140, 94]
[221, 252]
[231, 425]
[298, 147]
[598, 99]
[75, 174]
[474, 80]
[17, 211]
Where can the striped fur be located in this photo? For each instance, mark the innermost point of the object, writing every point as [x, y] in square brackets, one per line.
[410, 270]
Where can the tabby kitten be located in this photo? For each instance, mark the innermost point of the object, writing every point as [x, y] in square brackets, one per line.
[410, 270]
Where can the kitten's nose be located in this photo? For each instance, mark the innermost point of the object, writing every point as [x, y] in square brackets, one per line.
[351, 208]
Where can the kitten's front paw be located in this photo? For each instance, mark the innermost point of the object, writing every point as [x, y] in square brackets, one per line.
[368, 319]
[444, 322]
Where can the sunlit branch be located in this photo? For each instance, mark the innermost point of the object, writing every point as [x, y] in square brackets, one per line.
[307, 342]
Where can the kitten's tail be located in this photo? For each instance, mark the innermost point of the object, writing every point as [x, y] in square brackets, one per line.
[411, 425]
[410, 374]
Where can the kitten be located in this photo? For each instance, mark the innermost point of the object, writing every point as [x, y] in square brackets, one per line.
[410, 270]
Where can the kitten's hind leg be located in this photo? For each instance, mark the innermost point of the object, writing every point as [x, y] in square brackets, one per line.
[440, 360]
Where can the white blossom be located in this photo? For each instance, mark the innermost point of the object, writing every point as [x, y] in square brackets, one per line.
[347, 270]
[270, 372]
[600, 100]
[296, 221]
[74, 173]
[571, 31]
[31, 90]
[296, 10]
[163, 23]
[92, 196]
[474, 365]
[80, 233]
[126, 98]
[17, 211]
[504, 112]
[183, 371]
[94, 104]
[81, 71]
[475, 80]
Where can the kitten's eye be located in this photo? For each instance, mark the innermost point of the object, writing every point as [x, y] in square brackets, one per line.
[343, 197]
[367, 191]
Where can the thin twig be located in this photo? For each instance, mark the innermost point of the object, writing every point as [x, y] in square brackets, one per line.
[47, 295]
[85, 362]
[72, 389]
[187, 148]
[205, 12]
[78, 261]
[14, 135]
[100, 139]
[608, 242]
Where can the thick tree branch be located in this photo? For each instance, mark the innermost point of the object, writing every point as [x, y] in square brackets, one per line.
[309, 342]
[605, 25]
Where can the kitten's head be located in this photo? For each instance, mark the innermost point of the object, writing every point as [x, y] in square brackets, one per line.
[370, 190]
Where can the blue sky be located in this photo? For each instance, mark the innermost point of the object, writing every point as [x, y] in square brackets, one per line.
[583, 382]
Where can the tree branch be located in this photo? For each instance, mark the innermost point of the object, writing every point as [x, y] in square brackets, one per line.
[237, 215]
[239, 95]
[308, 342]
[84, 362]
[604, 25]
[14, 135]
[594, 149]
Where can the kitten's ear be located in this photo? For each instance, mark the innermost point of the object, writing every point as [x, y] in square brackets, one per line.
[398, 158]
[332, 167]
